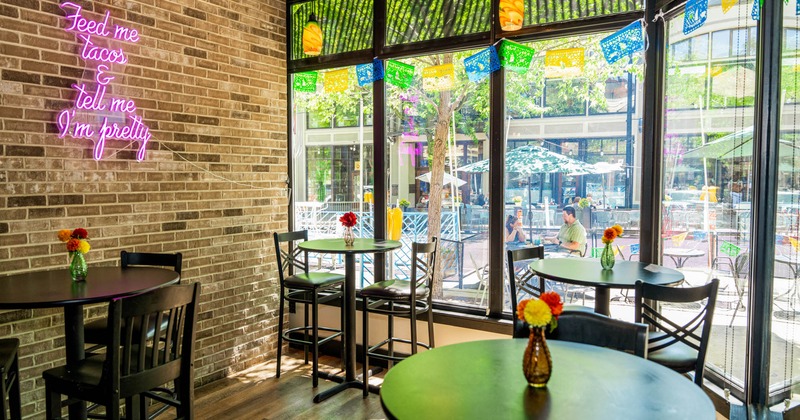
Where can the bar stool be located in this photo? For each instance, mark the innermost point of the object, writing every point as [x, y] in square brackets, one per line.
[309, 288]
[9, 379]
[412, 297]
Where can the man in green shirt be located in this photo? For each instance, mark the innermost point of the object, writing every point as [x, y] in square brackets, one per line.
[572, 235]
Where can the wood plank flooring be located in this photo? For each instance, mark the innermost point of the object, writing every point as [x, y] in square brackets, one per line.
[256, 394]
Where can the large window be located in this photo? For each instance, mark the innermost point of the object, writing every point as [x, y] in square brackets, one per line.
[437, 125]
[707, 180]
[602, 138]
[784, 379]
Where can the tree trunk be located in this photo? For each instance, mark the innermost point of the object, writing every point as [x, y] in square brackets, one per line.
[440, 140]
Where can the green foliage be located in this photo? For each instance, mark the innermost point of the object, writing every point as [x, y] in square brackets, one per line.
[403, 203]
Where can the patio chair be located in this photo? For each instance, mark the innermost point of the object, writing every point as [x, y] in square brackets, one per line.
[600, 330]
[483, 275]
[741, 272]
[679, 346]
[522, 279]
[96, 332]
[406, 298]
[309, 288]
[9, 380]
[141, 364]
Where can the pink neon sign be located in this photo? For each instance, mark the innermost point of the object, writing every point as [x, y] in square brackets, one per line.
[93, 100]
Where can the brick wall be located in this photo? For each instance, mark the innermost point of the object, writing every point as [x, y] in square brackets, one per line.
[209, 80]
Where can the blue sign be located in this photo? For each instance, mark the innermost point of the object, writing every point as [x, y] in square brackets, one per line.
[756, 12]
[370, 72]
[624, 42]
[634, 249]
[700, 235]
[695, 15]
[480, 65]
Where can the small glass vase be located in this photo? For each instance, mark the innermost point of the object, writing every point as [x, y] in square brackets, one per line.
[607, 258]
[536, 363]
[349, 237]
[77, 267]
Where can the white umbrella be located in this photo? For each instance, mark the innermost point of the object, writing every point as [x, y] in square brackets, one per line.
[426, 177]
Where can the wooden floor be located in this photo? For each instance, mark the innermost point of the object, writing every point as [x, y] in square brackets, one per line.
[256, 394]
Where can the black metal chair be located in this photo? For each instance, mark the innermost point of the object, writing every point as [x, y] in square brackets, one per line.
[307, 288]
[679, 346]
[141, 364]
[96, 332]
[9, 380]
[523, 280]
[600, 330]
[407, 298]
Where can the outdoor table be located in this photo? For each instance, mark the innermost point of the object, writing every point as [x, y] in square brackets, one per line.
[793, 261]
[52, 289]
[337, 246]
[680, 255]
[588, 272]
[484, 380]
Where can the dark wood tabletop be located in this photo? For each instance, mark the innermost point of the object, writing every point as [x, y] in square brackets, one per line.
[46, 289]
[588, 272]
[484, 380]
[360, 246]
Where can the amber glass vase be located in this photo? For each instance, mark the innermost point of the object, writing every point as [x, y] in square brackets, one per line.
[536, 363]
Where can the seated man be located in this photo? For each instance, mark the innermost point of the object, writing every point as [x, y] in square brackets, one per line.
[572, 235]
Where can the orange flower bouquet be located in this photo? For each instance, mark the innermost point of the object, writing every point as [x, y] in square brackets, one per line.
[538, 313]
[77, 242]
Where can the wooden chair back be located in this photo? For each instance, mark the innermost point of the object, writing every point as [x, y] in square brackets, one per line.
[150, 259]
[141, 364]
[695, 333]
[523, 280]
[293, 256]
[600, 330]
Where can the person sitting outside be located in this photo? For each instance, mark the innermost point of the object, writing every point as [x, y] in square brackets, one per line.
[572, 234]
[514, 233]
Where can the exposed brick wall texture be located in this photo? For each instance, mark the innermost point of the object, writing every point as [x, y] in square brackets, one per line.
[209, 80]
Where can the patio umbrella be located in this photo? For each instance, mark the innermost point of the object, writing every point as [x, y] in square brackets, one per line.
[739, 144]
[602, 168]
[529, 160]
[426, 177]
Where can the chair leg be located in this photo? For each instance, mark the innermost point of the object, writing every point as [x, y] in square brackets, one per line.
[113, 408]
[4, 408]
[280, 334]
[390, 329]
[184, 388]
[365, 345]
[413, 315]
[315, 338]
[53, 404]
[306, 324]
[430, 322]
[132, 407]
[342, 340]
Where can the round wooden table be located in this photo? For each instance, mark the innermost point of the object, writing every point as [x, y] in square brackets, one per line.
[49, 289]
[484, 380]
[337, 246]
[588, 272]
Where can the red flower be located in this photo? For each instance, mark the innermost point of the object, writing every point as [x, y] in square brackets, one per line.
[73, 245]
[553, 300]
[80, 233]
[348, 219]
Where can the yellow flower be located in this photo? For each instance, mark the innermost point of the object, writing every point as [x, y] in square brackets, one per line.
[84, 247]
[64, 235]
[537, 313]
